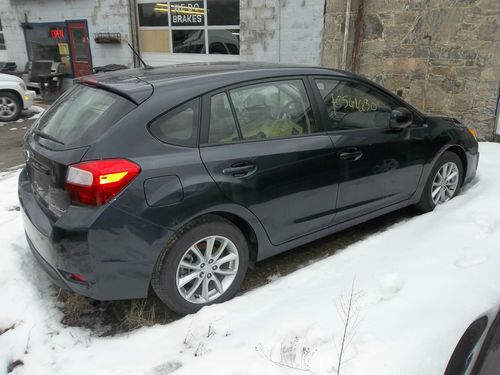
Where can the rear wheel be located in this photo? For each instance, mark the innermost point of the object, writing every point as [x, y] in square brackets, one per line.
[203, 264]
[444, 182]
[10, 106]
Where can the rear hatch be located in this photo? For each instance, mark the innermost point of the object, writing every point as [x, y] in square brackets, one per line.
[64, 133]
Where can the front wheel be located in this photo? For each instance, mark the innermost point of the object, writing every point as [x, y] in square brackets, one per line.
[203, 264]
[443, 183]
[10, 107]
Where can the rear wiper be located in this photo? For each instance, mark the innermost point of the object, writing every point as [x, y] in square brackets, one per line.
[47, 136]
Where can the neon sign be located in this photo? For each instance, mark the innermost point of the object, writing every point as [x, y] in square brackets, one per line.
[57, 33]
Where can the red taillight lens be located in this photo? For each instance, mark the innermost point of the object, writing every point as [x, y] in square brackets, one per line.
[96, 182]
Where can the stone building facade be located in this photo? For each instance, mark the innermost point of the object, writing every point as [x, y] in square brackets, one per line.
[443, 56]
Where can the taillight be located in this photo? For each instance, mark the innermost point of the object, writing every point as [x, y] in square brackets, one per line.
[96, 182]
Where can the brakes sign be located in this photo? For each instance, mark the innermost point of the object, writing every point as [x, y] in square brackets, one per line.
[187, 14]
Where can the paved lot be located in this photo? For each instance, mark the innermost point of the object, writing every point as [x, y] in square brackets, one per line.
[11, 137]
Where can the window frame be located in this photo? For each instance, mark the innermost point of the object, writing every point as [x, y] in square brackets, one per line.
[170, 28]
[417, 116]
[206, 109]
[3, 46]
[197, 118]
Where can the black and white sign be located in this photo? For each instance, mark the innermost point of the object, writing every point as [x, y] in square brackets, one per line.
[187, 13]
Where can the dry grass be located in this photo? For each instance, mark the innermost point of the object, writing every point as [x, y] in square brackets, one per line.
[141, 313]
[108, 318]
[74, 307]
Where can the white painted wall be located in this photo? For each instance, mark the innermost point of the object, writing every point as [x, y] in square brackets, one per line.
[101, 15]
[286, 31]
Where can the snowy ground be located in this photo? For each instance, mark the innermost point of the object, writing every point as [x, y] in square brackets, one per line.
[417, 286]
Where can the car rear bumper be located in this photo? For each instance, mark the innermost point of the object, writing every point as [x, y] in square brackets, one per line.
[115, 252]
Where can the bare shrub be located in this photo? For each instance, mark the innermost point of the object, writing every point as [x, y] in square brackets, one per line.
[291, 355]
[348, 310]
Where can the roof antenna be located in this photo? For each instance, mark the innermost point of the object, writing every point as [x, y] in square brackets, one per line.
[146, 66]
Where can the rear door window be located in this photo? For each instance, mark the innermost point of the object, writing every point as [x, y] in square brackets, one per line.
[273, 110]
[179, 126]
[82, 115]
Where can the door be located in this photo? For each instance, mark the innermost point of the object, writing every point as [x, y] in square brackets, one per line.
[80, 49]
[374, 163]
[267, 152]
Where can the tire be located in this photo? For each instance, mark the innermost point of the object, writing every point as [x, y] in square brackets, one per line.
[427, 203]
[168, 273]
[10, 107]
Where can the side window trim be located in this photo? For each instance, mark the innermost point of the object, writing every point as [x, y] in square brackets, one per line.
[235, 117]
[206, 103]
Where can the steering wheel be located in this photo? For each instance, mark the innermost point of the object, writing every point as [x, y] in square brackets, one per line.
[290, 109]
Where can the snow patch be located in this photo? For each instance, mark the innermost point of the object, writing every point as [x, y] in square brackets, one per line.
[38, 111]
[422, 282]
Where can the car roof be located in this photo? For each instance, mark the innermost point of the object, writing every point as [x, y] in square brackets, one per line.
[138, 84]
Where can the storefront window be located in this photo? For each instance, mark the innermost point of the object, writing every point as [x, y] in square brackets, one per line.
[2, 40]
[224, 42]
[190, 26]
[153, 14]
[223, 12]
[48, 41]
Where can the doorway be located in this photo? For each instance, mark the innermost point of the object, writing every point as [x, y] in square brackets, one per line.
[81, 59]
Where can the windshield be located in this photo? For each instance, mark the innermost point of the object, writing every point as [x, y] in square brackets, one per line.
[82, 115]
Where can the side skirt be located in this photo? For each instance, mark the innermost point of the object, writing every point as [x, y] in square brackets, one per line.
[269, 252]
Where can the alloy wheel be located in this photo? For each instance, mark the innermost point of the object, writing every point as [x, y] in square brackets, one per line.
[8, 107]
[445, 183]
[207, 269]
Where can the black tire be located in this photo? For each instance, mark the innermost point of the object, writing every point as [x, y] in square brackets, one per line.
[10, 98]
[426, 204]
[165, 272]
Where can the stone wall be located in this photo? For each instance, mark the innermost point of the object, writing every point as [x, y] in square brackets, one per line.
[444, 55]
[287, 31]
[101, 16]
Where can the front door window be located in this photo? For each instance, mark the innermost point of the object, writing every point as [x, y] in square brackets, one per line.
[350, 105]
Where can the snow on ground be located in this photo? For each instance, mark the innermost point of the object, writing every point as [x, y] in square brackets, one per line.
[417, 286]
[37, 112]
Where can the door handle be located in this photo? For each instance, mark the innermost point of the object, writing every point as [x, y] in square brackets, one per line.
[351, 156]
[239, 169]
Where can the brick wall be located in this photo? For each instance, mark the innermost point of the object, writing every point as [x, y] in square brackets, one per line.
[443, 54]
[287, 31]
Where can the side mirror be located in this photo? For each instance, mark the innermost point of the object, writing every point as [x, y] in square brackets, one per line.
[401, 118]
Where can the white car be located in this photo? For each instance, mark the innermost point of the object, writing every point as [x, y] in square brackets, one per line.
[14, 97]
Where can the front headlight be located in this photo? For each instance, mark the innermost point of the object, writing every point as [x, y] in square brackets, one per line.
[23, 85]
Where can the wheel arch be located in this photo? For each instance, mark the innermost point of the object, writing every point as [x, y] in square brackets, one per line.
[245, 228]
[17, 95]
[460, 152]
[245, 221]
[450, 147]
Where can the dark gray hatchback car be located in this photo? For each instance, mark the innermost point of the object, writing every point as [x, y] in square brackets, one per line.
[179, 177]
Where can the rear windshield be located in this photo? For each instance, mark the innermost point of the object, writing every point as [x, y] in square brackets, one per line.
[82, 115]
